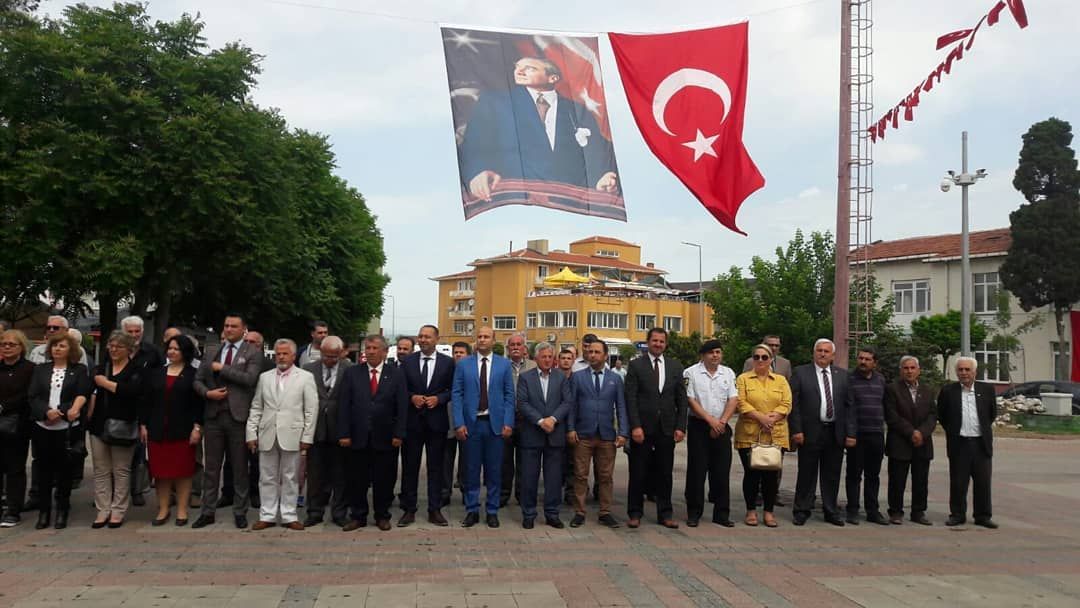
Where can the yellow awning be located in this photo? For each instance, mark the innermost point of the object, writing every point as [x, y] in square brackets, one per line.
[564, 277]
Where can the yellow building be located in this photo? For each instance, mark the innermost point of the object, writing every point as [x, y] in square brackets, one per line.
[619, 298]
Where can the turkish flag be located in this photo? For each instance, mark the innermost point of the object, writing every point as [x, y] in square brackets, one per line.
[687, 91]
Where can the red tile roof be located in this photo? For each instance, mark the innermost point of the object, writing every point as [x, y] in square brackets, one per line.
[466, 274]
[942, 246]
[607, 240]
[571, 259]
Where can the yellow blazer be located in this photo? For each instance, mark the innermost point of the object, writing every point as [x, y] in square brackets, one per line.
[771, 395]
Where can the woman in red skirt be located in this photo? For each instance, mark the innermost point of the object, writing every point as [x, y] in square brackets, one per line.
[173, 428]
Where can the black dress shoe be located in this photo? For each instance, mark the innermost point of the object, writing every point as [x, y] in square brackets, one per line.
[436, 518]
[986, 523]
[834, 520]
[161, 521]
[799, 519]
[224, 501]
[607, 520]
[852, 519]
[877, 518]
[62, 519]
[43, 520]
[339, 522]
[97, 525]
[202, 521]
[554, 522]
[692, 522]
[921, 519]
[354, 524]
[577, 521]
[955, 520]
[407, 518]
[727, 523]
[528, 523]
[181, 522]
[382, 524]
[492, 520]
[138, 500]
[241, 521]
[471, 519]
[312, 521]
[112, 524]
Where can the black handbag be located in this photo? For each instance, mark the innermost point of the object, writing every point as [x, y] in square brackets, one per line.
[75, 443]
[122, 433]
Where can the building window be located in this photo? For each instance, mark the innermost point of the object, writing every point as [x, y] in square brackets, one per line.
[568, 318]
[993, 364]
[466, 284]
[541, 272]
[1056, 357]
[985, 291]
[506, 322]
[644, 322]
[911, 297]
[607, 253]
[607, 320]
[673, 324]
[549, 319]
[530, 320]
[462, 306]
[463, 328]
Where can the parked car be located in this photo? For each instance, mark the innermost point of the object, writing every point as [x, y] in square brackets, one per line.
[1036, 388]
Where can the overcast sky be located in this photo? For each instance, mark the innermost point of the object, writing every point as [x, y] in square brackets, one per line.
[371, 75]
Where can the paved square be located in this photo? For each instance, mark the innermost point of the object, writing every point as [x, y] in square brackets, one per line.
[1033, 560]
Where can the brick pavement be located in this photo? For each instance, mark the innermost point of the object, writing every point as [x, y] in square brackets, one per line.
[1034, 559]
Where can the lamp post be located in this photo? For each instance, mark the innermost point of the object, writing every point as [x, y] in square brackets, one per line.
[700, 286]
[964, 180]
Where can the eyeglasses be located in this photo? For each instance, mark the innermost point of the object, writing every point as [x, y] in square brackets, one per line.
[761, 357]
[8, 344]
[54, 327]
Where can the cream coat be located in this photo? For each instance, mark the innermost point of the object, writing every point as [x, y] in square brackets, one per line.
[288, 416]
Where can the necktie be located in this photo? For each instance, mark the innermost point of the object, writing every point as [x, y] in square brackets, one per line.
[596, 380]
[328, 379]
[828, 394]
[228, 354]
[542, 107]
[656, 372]
[483, 405]
[424, 371]
[374, 381]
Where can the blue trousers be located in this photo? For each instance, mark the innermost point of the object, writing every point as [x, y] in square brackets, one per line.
[483, 448]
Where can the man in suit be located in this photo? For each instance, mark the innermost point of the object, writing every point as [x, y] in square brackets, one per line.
[517, 353]
[226, 497]
[543, 406]
[596, 428]
[910, 415]
[483, 402]
[966, 410]
[428, 378]
[311, 352]
[326, 460]
[281, 425]
[226, 380]
[459, 350]
[656, 405]
[867, 388]
[822, 425]
[531, 132]
[713, 400]
[371, 425]
[780, 365]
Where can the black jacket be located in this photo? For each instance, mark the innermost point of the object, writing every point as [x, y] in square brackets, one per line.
[805, 415]
[648, 408]
[76, 383]
[124, 404]
[442, 379]
[904, 416]
[14, 388]
[950, 407]
[372, 419]
[171, 419]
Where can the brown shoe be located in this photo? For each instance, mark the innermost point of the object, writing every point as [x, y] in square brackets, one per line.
[354, 524]
[670, 524]
[633, 522]
[294, 525]
[383, 524]
[262, 525]
[770, 521]
[751, 518]
[406, 519]
[436, 517]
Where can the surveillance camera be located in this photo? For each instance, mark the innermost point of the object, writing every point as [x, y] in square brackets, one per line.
[952, 173]
[946, 184]
[980, 173]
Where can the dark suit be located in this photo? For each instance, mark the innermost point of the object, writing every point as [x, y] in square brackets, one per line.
[659, 414]
[426, 427]
[541, 450]
[822, 450]
[505, 135]
[904, 416]
[372, 422]
[970, 458]
[326, 460]
[225, 422]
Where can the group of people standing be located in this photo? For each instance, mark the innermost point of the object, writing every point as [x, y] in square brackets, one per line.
[513, 420]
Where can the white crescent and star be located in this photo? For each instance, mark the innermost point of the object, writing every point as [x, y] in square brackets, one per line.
[679, 80]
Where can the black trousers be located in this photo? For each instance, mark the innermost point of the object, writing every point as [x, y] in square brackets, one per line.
[451, 449]
[823, 461]
[77, 466]
[511, 469]
[434, 443]
[549, 460]
[376, 469]
[54, 467]
[13, 452]
[969, 462]
[711, 457]
[758, 483]
[864, 465]
[227, 489]
[326, 464]
[651, 462]
[920, 480]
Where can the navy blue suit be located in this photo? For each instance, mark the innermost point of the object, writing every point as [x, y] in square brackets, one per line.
[426, 427]
[539, 449]
[505, 135]
[372, 422]
[484, 446]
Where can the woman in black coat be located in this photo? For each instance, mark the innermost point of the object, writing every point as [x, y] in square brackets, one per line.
[15, 374]
[58, 392]
[172, 428]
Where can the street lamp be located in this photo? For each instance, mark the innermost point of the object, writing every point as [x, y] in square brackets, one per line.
[700, 286]
[964, 180]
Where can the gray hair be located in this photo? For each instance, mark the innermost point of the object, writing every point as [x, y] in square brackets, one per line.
[907, 358]
[132, 320]
[821, 340]
[517, 334]
[59, 317]
[76, 334]
[376, 338]
[286, 342]
[332, 343]
[542, 346]
[117, 336]
[974, 362]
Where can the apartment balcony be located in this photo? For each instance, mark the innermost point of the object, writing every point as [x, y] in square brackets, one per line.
[461, 293]
[460, 314]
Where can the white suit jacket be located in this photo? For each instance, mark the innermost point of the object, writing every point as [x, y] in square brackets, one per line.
[288, 416]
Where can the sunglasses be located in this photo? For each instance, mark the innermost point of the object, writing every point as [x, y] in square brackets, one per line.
[761, 357]
[54, 327]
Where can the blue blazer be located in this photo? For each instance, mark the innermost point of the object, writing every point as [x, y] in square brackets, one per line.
[379, 417]
[465, 395]
[442, 379]
[594, 413]
[532, 406]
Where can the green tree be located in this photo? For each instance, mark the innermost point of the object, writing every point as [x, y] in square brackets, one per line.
[1046, 231]
[685, 348]
[941, 333]
[1003, 337]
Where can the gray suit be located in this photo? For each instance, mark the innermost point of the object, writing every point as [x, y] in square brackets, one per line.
[326, 459]
[225, 423]
[541, 451]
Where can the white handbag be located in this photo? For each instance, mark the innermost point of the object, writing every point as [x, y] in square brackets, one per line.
[766, 456]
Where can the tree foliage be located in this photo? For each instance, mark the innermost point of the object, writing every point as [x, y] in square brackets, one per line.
[941, 333]
[685, 348]
[134, 168]
[1047, 165]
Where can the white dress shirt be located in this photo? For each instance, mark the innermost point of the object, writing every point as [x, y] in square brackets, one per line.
[969, 414]
[430, 359]
[712, 391]
[225, 350]
[652, 366]
[821, 392]
[549, 119]
[378, 372]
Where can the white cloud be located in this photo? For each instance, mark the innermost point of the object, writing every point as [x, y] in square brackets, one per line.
[811, 192]
[892, 153]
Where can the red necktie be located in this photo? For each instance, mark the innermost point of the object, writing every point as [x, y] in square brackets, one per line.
[374, 381]
[228, 354]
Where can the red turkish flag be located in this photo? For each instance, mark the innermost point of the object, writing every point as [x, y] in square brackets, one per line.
[687, 91]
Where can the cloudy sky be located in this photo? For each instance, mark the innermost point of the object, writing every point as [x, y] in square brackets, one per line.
[371, 75]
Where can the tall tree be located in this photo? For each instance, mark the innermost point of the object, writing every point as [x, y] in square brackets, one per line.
[941, 333]
[1046, 231]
